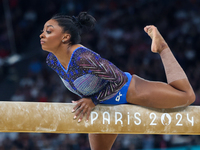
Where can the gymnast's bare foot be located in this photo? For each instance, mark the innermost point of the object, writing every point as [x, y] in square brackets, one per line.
[158, 43]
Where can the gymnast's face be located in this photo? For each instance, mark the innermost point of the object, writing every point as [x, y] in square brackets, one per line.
[52, 36]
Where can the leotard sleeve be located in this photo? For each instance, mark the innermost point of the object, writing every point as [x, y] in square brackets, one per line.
[94, 64]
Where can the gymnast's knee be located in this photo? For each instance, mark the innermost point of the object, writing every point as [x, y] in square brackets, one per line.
[191, 97]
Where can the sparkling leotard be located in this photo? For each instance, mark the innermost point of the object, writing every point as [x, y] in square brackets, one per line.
[89, 75]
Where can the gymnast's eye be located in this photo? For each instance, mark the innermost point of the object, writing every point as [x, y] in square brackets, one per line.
[48, 32]
[41, 31]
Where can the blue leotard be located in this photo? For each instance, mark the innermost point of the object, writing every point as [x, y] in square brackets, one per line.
[89, 75]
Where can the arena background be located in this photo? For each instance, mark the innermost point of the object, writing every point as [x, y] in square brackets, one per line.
[118, 36]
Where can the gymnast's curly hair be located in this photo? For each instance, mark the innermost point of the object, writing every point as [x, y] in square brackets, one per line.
[75, 25]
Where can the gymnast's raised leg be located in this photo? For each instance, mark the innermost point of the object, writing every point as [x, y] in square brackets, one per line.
[177, 93]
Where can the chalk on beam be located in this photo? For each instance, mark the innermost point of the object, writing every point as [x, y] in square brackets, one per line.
[121, 119]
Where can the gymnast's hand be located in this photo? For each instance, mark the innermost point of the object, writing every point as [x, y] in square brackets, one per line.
[83, 106]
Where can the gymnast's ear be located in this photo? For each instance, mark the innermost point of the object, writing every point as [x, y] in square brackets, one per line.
[66, 38]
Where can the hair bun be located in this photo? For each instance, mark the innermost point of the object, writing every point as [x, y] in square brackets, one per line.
[86, 21]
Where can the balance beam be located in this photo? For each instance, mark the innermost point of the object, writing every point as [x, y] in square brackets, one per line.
[121, 119]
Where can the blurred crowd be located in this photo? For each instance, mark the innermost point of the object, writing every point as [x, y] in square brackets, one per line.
[118, 37]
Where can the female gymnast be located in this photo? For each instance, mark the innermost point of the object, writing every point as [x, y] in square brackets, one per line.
[98, 81]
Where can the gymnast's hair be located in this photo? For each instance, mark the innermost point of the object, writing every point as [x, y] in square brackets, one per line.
[75, 25]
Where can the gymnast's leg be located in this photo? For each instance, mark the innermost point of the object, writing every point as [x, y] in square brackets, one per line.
[102, 141]
[178, 92]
